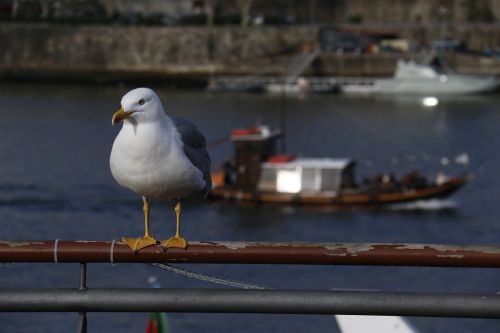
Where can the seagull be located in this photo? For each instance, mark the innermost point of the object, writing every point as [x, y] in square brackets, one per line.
[158, 156]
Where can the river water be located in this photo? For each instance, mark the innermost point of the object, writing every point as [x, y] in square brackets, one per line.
[55, 183]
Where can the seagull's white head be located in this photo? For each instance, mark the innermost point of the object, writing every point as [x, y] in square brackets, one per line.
[139, 105]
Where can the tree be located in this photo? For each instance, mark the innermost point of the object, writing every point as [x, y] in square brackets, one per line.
[45, 9]
[15, 8]
[245, 6]
[209, 10]
[110, 6]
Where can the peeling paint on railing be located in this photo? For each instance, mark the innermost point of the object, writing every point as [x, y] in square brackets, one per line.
[256, 253]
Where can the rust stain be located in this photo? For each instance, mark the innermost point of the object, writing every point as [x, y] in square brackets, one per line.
[18, 244]
[228, 245]
[411, 246]
[268, 245]
[350, 249]
[494, 249]
[459, 256]
[203, 243]
[452, 248]
[234, 245]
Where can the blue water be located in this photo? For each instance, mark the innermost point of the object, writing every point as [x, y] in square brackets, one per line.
[55, 183]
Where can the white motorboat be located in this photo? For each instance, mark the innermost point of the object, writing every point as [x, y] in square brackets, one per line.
[411, 78]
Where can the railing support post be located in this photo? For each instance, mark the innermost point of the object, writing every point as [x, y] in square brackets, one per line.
[82, 316]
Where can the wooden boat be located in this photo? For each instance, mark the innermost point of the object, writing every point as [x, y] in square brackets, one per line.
[257, 175]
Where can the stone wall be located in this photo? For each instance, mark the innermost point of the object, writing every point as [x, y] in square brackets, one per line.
[422, 11]
[174, 50]
[119, 52]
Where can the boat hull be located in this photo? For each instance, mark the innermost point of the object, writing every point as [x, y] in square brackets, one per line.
[445, 85]
[373, 198]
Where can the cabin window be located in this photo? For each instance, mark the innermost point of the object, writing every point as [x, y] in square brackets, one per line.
[330, 179]
[267, 181]
[310, 181]
[289, 181]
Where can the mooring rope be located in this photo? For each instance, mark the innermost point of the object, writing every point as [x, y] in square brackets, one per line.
[207, 278]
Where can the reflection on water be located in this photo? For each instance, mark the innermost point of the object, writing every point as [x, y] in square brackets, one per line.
[435, 204]
[55, 183]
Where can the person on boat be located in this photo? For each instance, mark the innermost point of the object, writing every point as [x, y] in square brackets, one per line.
[414, 181]
[389, 182]
[441, 178]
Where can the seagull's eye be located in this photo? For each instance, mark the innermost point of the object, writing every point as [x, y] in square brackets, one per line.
[141, 102]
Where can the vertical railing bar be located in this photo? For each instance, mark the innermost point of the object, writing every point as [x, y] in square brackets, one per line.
[83, 276]
[82, 318]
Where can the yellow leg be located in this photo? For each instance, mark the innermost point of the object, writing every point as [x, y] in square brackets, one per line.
[139, 243]
[177, 241]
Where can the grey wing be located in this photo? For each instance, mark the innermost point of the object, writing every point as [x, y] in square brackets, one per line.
[195, 148]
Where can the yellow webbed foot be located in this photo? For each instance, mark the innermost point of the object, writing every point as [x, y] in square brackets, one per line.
[139, 243]
[175, 242]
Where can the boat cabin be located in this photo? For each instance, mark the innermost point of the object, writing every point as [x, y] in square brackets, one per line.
[412, 70]
[256, 167]
[307, 175]
[252, 146]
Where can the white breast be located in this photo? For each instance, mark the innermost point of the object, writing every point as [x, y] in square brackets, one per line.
[150, 161]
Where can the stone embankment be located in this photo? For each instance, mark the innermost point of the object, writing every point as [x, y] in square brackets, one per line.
[94, 52]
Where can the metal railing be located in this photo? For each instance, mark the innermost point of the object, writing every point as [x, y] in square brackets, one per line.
[388, 254]
[84, 300]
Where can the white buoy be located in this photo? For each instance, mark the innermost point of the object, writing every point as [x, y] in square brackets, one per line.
[462, 159]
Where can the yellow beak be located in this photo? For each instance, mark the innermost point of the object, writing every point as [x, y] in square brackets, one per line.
[119, 116]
